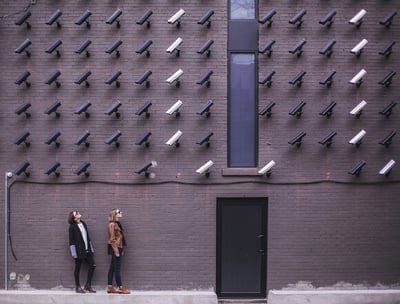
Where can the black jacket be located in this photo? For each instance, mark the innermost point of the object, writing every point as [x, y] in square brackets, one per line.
[76, 243]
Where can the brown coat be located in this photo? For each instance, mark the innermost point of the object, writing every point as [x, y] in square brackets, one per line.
[115, 237]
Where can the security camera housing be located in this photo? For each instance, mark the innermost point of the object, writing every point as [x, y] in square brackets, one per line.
[388, 139]
[23, 78]
[53, 139]
[298, 18]
[358, 78]
[114, 78]
[206, 108]
[357, 50]
[387, 21]
[327, 79]
[174, 140]
[328, 110]
[267, 110]
[114, 109]
[298, 48]
[205, 78]
[267, 79]
[328, 19]
[53, 47]
[23, 139]
[328, 48]
[84, 18]
[387, 80]
[206, 47]
[387, 168]
[83, 47]
[23, 47]
[387, 50]
[176, 18]
[205, 139]
[54, 18]
[145, 167]
[23, 19]
[206, 18]
[174, 46]
[357, 19]
[297, 139]
[387, 111]
[356, 170]
[175, 77]
[144, 78]
[114, 47]
[266, 170]
[298, 109]
[53, 169]
[84, 109]
[356, 140]
[357, 110]
[327, 140]
[204, 169]
[144, 139]
[83, 169]
[268, 18]
[53, 109]
[298, 79]
[114, 138]
[114, 17]
[145, 18]
[83, 139]
[22, 169]
[53, 78]
[83, 78]
[24, 109]
[175, 108]
[145, 47]
[267, 48]
[144, 109]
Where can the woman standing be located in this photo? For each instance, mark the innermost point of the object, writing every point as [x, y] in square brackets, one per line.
[116, 244]
[81, 250]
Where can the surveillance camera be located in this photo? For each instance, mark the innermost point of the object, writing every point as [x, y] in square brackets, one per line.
[114, 17]
[267, 168]
[357, 50]
[53, 78]
[267, 47]
[144, 78]
[357, 110]
[205, 139]
[357, 19]
[23, 19]
[114, 109]
[205, 78]
[174, 108]
[53, 138]
[83, 47]
[387, 80]
[204, 169]
[53, 109]
[327, 140]
[388, 139]
[23, 139]
[298, 79]
[176, 17]
[267, 110]
[328, 19]
[206, 47]
[327, 49]
[387, 111]
[356, 140]
[83, 169]
[387, 21]
[387, 50]
[327, 111]
[174, 140]
[53, 18]
[175, 77]
[23, 46]
[174, 46]
[53, 47]
[145, 18]
[387, 168]
[145, 47]
[358, 78]
[23, 78]
[298, 109]
[83, 109]
[356, 170]
[145, 167]
[268, 18]
[267, 79]
[84, 18]
[206, 18]
[114, 78]
[144, 109]
[144, 139]
[53, 169]
[24, 109]
[83, 139]
[206, 108]
[297, 139]
[22, 169]
[83, 78]
[298, 47]
[114, 138]
[298, 18]
[327, 79]
[114, 47]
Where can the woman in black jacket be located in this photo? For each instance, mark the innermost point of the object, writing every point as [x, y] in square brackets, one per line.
[81, 250]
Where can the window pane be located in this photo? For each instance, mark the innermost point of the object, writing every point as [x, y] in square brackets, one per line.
[242, 111]
[243, 9]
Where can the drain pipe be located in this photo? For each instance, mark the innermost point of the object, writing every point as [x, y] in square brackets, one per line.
[8, 175]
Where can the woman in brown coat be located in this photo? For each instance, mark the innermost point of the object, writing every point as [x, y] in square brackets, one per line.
[116, 244]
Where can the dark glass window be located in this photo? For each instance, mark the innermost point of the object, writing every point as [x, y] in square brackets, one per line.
[242, 110]
[242, 9]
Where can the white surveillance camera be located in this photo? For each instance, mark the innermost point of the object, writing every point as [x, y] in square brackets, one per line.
[267, 168]
[359, 47]
[357, 79]
[356, 140]
[174, 139]
[174, 45]
[358, 108]
[386, 169]
[175, 76]
[205, 167]
[174, 108]
[176, 16]
[357, 18]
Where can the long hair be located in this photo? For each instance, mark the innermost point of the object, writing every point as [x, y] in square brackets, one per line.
[113, 215]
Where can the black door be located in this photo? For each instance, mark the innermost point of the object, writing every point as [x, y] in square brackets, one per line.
[241, 247]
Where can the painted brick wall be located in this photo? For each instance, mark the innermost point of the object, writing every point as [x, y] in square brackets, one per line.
[325, 225]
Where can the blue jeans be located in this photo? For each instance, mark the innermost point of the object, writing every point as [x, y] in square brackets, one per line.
[115, 268]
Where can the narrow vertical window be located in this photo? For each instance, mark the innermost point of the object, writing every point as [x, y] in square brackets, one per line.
[242, 9]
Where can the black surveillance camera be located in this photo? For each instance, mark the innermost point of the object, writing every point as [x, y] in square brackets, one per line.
[205, 139]
[84, 18]
[144, 78]
[145, 18]
[327, 140]
[23, 47]
[328, 19]
[83, 139]
[83, 168]
[388, 139]
[53, 78]
[206, 108]
[84, 109]
[387, 111]
[298, 109]
[54, 18]
[298, 79]
[267, 48]
[53, 139]
[268, 18]
[114, 138]
[83, 47]
[144, 109]
[206, 18]
[23, 79]
[327, 79]
[144, 139]
[298, 18]
[267, 79]
[114, 109]
[83, 78]
[328, 110]
[114, 47]
[356, 170]
[22, 169]
[23, 139]
[144, 47]
[53, 109]
[114, 78]
[387, 21]
[53, 47]
[298, 48]
[23, 19]
[53, 169]
[297, 140]
[205, 78]
[114, 17]
[206, 47]
[145, 167]
[24, 109]
[267, 110]
[327, 49]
